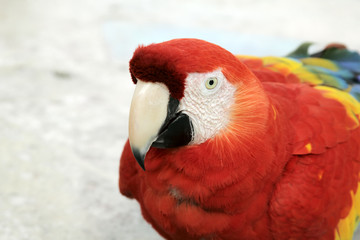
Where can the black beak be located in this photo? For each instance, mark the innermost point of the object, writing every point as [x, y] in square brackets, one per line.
[176, 130]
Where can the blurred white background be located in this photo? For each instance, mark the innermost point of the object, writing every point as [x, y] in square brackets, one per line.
[65, 92]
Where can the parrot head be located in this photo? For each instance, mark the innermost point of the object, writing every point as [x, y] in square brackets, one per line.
[189, 92]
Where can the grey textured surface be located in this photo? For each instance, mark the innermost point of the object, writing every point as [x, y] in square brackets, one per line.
[65, 93]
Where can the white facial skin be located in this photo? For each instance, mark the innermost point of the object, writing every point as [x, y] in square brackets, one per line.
[207, 100]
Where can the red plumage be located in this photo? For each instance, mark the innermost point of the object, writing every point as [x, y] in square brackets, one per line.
[263, 183]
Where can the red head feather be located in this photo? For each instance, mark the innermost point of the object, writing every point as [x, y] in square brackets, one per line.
[170, 62]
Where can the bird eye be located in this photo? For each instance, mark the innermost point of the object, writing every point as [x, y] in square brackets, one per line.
[211, 83]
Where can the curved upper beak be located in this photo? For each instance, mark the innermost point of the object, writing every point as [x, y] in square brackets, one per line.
[155, 121]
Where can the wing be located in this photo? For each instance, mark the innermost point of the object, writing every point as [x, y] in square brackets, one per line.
[335, 66]
[318, 196]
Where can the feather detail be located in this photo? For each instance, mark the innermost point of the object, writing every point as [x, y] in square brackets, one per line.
[335, 66]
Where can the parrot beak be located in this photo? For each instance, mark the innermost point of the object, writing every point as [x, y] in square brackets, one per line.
[155, 121]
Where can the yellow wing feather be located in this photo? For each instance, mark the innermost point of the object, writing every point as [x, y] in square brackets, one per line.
[347, 226]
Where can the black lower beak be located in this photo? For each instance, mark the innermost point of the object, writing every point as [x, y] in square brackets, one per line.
[176, 131]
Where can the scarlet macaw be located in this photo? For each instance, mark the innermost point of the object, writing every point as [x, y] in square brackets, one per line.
[239, 147]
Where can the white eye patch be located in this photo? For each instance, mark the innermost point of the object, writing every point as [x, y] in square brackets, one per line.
[207, 100]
